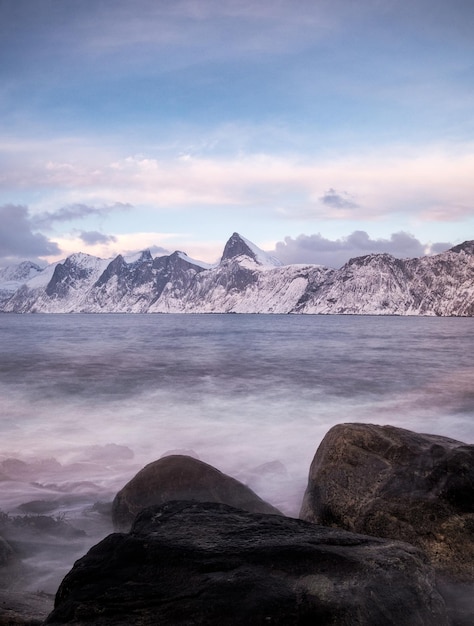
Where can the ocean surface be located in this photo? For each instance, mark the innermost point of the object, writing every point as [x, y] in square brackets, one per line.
[88, 400]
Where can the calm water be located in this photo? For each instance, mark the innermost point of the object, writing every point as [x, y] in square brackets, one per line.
[237, 391]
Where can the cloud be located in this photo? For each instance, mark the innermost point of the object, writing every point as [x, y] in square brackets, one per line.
[127, 244]
[428, 184]
[337, 200]
[159, 251]
[437, 248]
[334, 253]
[18, 241]
[76, 212]
[93, 237]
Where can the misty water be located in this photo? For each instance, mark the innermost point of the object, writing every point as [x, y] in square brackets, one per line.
[88, 400]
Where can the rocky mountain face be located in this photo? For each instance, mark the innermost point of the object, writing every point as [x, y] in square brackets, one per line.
[246, 280]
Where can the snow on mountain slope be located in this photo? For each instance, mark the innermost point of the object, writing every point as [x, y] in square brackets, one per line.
[246, 280]
[60, 288]
[443, 284]
[374, 284]
[13, 276]
[19, 273]
[237, 288]
[379, 284]
[238, 246]
[134, 288]
[188, 259]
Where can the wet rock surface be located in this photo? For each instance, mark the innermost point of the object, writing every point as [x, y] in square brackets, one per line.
[394, 483]
[180, 477]
[209, 563]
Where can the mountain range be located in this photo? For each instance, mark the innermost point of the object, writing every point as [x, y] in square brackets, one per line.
[246, 280]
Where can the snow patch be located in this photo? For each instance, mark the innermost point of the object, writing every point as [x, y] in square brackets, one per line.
[188, 259]
[262, 257]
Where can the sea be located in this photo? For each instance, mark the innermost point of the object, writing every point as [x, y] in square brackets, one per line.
[87, 400]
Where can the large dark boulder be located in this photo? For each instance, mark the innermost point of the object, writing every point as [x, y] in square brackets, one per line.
[180, 477]
[391, 482]
[208, 563]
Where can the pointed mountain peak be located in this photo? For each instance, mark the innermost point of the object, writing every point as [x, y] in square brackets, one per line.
[178, 255]
[236, 246]
[239, 246]
[82, 259]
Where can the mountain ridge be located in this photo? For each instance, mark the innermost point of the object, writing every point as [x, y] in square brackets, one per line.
[247, 280]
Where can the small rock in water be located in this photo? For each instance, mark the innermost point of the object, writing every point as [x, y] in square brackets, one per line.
[38, 506]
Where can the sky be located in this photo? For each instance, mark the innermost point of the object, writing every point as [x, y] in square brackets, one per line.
[320, 130]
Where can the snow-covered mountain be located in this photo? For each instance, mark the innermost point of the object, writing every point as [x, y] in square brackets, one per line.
[380, 284]
[13, 276]
[246, 280]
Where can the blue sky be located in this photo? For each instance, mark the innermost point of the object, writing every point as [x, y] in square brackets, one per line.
[317, 129]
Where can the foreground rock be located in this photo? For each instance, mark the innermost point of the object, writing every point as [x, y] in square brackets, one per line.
[391, 482]
[180, 477]
[208, 563]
